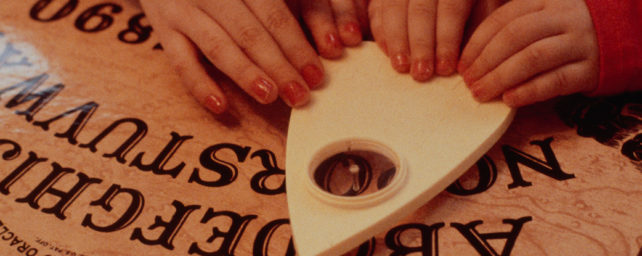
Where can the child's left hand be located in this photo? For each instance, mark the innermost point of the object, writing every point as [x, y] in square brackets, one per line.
[529, 51]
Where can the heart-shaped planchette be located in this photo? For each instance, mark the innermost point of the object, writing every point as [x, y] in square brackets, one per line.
[375, 145]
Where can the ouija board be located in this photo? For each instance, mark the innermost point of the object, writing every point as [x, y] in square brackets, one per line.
[105, 153]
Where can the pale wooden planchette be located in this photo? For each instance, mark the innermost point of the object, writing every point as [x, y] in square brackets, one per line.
[432, 131]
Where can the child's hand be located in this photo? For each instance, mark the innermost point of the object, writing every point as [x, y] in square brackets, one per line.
[420, 36]
[333, 23]
[258, 44]
[529, 51]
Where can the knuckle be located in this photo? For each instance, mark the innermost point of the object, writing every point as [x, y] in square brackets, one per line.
[278, 20]
[534, 56]
[454, 7]
[297, 53]
[422, 9]
[422, 42]
[392, 4]
[449, 6]
[245, 69]
[180, 67]
[284, 69]
[446, 50]
[484, 62]
[214, 48]
[500, 80]
[512, 33]
[496, 79]
[282, 72]
[249, 35]
[561, 79]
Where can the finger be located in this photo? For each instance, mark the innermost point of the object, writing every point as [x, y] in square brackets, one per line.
[294, 7]
[375, 11]
[184, 57]
[541, 56]
[317, 14]
[491, 26]
[451, 21]
[395, 28]
[421, 36]
[511, 39]
[212, 40]
[249, 34]
[277, 19]
[481, 10]
[345, 16]
[361, 8]
[568, 79]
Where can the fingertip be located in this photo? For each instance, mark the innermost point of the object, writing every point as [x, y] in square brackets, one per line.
[215, 104]
[421, 70]
[295, 94]
[264, 91]
[351, 33]
[445, 67]
[400, 62]
[332, 40]
[511, 99]
[313, 75]
[331, 46]
[479, 92]
[466, 75]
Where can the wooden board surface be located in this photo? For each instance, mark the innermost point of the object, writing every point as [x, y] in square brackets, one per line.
[564, 180]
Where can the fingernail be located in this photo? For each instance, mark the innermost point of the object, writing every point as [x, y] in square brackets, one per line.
[312, 75]
[352, 28]
[421, 70]
[263, 89]
[295, 94]
[333, 40]
[445, 67]
[214, 104]
[400, 63]
[332, 48]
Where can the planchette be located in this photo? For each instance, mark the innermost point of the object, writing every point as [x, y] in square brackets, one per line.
[375, 145]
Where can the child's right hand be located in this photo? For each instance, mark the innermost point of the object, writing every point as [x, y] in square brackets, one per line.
[532, 50]
[258, 44]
